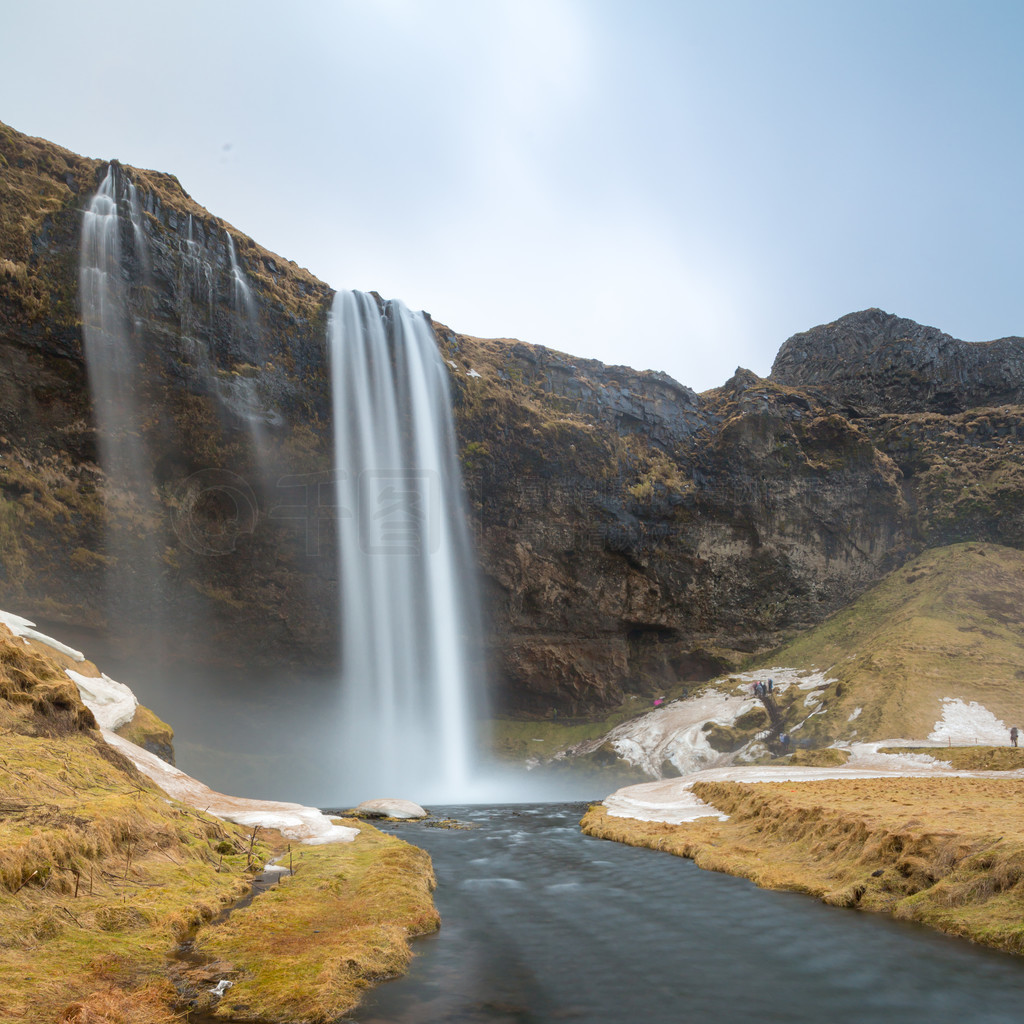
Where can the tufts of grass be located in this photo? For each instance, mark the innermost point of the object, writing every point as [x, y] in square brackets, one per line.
[100, 875]
[307, 949]
[946, 852]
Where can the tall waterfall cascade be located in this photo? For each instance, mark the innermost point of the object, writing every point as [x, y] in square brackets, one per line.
[408, 596]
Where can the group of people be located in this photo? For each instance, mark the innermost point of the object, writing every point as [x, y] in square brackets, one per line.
[764, 689]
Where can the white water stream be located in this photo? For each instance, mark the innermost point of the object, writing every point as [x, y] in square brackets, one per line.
[407, 588]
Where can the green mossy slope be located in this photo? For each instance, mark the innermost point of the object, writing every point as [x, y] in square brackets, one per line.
[948, 624]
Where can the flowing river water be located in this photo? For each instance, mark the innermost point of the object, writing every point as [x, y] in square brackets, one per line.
[543, 924]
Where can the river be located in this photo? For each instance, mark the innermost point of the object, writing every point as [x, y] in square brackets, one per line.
[543, 924]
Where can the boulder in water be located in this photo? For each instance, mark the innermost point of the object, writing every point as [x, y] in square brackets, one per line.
[389, 809]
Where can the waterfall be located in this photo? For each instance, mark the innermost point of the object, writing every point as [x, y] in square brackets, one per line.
[241, 294]
[108, 340]
[112, 278]
[407, 586]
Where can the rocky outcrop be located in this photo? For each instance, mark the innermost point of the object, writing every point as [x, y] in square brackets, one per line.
[630, 533]
[875, 362]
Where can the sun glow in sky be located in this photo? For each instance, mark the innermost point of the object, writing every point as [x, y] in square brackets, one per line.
[672, 185]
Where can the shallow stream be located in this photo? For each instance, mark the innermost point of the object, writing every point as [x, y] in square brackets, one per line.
[542, 924]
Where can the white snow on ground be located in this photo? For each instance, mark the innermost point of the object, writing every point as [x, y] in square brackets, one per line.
[674, 733]
[472, 373]
[671, 800]
[293, 821]
[855, 714]
[967, 724]
[23, 628]
[782, 678]
[111, 703]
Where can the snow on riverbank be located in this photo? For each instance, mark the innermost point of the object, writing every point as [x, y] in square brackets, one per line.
[293, 821]
[673, 802]
[113, 704]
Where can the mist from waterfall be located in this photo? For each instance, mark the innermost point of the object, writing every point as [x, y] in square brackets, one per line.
[408, 594]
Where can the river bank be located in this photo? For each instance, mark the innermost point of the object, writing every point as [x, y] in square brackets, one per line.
[112, 861]
[944, 850]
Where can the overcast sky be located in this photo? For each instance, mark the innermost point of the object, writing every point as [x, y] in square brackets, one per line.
[672, 185]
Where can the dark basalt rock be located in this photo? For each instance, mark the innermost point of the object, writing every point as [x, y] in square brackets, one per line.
[876, 362]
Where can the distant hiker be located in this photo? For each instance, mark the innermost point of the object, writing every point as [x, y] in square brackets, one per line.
[784, 740]
[771, 685]
[1013, 735]
[658, 701]
[756, 689]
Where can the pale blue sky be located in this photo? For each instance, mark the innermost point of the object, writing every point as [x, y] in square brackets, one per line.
[676, 186]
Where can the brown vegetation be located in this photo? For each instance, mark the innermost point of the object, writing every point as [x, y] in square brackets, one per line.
[946, 852]
[102, 877]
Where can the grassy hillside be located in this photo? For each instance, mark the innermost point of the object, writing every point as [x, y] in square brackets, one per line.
[948, 624]
[102, 878]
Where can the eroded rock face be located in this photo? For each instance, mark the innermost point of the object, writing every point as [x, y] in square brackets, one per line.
[879, 363]
[630, 533]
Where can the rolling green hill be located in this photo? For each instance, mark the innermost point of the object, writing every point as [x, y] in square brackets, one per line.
[948, 624]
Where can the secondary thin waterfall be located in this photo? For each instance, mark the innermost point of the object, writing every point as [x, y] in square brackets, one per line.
[407, 587]
[107, 335]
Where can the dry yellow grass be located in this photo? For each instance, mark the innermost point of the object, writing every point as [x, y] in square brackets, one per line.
[989, 759]
[306, 950]
[102, 877]
[946, 852]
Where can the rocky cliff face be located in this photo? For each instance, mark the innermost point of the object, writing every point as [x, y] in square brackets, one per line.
[875, 362]
[630, 533]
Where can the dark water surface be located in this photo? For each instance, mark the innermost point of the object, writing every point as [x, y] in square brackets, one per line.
[541, 923]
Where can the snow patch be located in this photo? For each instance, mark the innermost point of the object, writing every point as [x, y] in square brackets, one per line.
[23, 628]
[293, 821]
[674, 733]
[967, 724]
[672, 801]
[112, 703]
[473, 373]
[855, 714]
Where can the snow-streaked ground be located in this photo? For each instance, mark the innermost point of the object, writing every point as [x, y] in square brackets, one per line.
[26, 629]
[112, 703]
[964, 725]
[293, 821]
[671, 800]
[676, 732]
